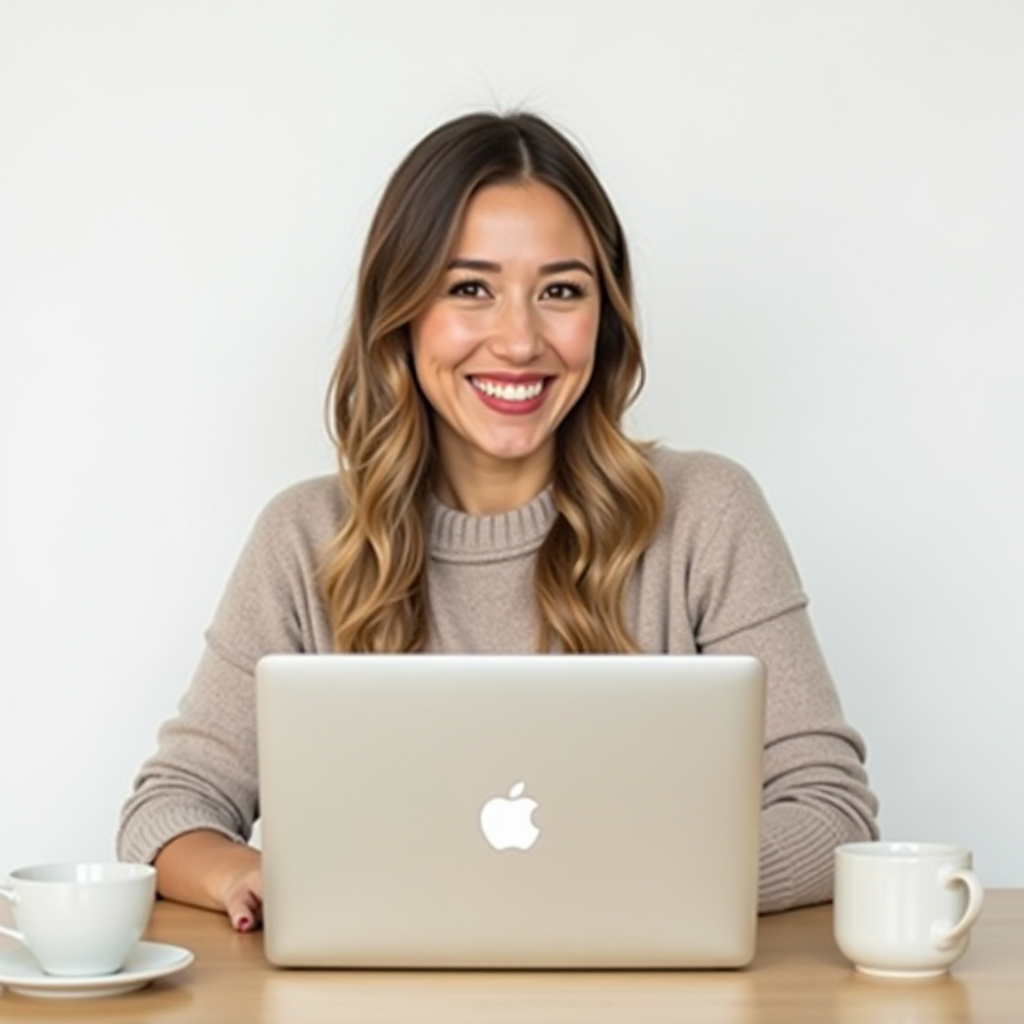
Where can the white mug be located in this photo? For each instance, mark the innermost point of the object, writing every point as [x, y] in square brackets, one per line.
[904, 909]
[80, 920]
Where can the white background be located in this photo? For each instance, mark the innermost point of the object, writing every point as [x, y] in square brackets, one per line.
[826, 207]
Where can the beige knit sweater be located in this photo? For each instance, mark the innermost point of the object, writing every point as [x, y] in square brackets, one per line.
[718, 578]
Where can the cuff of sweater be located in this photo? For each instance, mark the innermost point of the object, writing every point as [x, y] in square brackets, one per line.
[140, 840]
[797, 857]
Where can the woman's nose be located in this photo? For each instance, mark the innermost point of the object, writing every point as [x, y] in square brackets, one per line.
[517, 333]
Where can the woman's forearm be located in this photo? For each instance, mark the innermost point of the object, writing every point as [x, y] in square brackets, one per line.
[206, 869]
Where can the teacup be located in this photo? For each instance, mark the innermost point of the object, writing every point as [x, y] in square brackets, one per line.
[80, 920]
[904, 909]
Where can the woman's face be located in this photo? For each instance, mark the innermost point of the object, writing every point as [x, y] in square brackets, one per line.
[506, 347]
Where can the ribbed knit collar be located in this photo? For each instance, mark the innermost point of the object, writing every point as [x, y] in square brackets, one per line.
[459, 537]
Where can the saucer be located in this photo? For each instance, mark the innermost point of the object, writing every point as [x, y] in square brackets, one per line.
[20, 973]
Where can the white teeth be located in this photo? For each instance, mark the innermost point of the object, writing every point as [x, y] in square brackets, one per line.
[508, 392]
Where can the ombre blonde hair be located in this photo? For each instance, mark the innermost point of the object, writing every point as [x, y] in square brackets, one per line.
[608, 499]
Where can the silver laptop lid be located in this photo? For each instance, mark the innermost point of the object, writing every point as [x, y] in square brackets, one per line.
[510, 811]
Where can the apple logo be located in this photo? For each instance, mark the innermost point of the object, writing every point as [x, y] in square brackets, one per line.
[506, 821]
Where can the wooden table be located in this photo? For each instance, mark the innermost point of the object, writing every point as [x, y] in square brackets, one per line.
[797, 977]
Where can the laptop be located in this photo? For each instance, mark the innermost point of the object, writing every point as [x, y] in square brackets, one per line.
[495, 811]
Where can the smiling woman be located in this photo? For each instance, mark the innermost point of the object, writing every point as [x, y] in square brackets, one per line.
[495, 258]
[506, 348]
[488, 500]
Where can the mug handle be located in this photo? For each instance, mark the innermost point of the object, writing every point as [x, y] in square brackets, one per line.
[947, 936]
[8, 894]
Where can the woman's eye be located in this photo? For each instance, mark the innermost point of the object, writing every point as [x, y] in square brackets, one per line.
[563, 290]
[468, 289]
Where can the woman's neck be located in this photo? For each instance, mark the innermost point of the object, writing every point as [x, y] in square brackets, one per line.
[491, 490]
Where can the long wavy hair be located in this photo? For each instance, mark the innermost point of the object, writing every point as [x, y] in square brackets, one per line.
[608, 499]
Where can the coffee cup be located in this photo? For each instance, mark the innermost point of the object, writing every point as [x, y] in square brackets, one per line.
[80, 920]
[904, 909]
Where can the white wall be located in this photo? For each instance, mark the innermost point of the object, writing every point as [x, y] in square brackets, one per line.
[826, 209]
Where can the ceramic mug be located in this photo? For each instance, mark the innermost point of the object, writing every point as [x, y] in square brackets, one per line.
[80, 920]
[904, 909]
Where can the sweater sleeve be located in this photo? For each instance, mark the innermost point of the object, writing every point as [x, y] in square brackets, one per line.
[816, 792]
[748, 599]
[204, 773]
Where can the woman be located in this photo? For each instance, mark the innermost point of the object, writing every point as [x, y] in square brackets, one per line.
[488, 500]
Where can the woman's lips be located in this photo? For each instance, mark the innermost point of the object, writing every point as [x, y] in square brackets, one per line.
[511, 395]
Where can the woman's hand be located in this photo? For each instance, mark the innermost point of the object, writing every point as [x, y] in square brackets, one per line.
[206, 869]
[243, 900]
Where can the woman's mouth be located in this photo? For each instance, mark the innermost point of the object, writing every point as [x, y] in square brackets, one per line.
[511, 397]
[509, 391]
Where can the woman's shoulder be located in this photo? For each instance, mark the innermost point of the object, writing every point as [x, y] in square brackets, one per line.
[698, 472]
[315, 493]
[703, 489]
[311, 509]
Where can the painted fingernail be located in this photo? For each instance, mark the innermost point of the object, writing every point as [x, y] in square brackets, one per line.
[244, 924]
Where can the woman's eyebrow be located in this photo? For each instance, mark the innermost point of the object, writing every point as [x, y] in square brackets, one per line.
[563, 265]
[488, 267]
